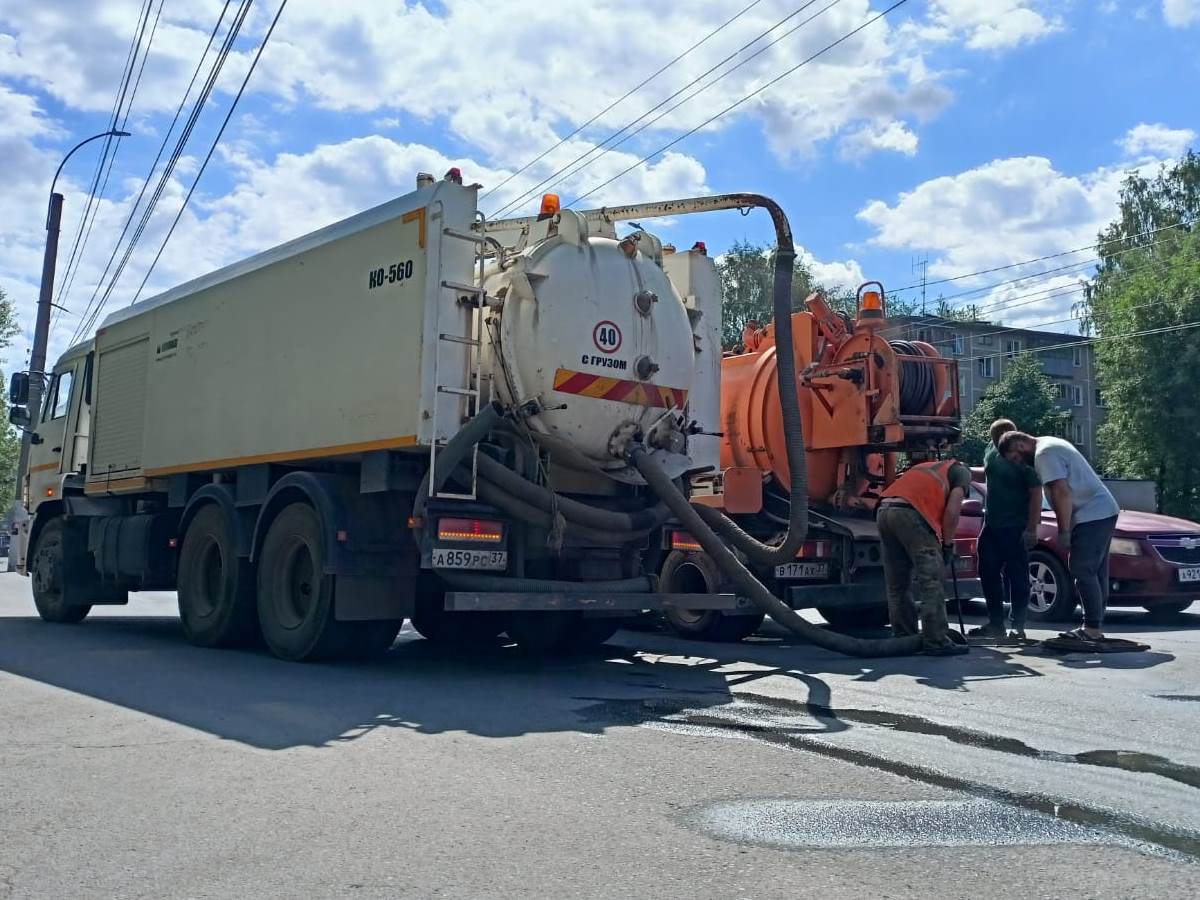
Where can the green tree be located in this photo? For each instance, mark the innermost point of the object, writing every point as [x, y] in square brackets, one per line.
[747, 273]
[1024, 394]
[10, 440]
[1149, 278]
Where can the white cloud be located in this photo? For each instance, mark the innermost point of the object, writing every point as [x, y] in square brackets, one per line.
[832, 274]
[894, 136]
[1156, 140]
[1181, 13]
[989, 24]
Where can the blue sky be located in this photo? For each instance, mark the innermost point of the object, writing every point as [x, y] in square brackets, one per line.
[976, 133]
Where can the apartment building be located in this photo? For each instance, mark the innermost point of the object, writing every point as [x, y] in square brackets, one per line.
[985, 348]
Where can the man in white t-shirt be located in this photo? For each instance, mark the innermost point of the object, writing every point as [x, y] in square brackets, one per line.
[1086, 512]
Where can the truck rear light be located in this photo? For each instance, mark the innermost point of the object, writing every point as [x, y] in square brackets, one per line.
[483, 530]
[682, 540]
[811, 549]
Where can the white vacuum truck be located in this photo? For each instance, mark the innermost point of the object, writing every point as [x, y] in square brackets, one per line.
[283, 440]
[412, 413]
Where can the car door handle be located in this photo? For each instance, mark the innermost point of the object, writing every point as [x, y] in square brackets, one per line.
[56, 449]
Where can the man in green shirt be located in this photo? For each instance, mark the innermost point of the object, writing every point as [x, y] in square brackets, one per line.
[1014, 510]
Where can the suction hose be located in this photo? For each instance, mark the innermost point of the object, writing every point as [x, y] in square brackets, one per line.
[793, 429]
[747, 584]
[705, 523]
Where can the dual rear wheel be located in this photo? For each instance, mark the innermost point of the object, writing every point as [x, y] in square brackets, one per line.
[287, 598]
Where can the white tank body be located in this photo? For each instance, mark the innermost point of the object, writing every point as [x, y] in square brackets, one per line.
[592, 329]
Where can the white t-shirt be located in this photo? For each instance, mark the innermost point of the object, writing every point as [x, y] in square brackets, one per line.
[1091, 501]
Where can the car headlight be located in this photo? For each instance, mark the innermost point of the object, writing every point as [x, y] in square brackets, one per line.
[1124, 547]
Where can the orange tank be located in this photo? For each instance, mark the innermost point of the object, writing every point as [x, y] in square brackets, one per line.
[861, 400]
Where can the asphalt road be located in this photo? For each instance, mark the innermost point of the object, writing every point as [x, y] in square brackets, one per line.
[133, 765]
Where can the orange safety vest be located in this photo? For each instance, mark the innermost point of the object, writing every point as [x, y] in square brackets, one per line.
[926, 486]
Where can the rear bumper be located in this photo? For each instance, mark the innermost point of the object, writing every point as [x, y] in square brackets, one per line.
[863, 596]
[600, 604]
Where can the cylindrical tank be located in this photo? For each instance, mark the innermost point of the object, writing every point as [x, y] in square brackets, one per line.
[592, 328]
[751, 419]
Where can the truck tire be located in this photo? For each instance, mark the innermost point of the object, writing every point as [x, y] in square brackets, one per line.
[468, 629]
[47, 570]
[295, 597]
[216, 588]
[696, 573]
[866, 619]
[1051, 591]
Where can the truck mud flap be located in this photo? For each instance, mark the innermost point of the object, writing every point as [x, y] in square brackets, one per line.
[478, 601]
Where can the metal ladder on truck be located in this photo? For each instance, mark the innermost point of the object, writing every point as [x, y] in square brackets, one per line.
[472, 296]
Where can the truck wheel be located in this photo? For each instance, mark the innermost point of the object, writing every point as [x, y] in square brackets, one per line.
[216, 588]
[1165, 612]
[865, 619]
[696, 573]
[1051, 592]
[295, 596]
[433, 623]
[47, 571]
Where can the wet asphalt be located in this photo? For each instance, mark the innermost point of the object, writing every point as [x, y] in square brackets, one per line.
[134, 765]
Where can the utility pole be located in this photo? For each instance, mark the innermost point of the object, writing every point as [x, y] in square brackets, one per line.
[41, 330]
[923, 265]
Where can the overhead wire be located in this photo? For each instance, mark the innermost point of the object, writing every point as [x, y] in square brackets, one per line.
[1184, 326]
[204, 165]
[106, 145]
[868, 22]
[532, 191]
[168, 169]
[623, 97]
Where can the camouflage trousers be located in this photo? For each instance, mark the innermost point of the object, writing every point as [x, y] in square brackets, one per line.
[912, 556]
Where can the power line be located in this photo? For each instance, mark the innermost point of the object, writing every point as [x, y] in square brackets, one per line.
[176, 153]
[744, 99]
[662, 115]
[1092, 340]
[232, 107]
[122, 87]
[1029, 262]
[623, 97]
[553, 175]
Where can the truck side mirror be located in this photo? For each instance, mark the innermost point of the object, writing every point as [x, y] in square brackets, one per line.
[19, 416]
[18, 389]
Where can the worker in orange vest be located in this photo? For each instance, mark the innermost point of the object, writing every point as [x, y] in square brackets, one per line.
[917, 518]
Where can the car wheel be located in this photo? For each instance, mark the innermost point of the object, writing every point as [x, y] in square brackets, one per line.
[1051, 593]
[215, 587]
[1164, 612]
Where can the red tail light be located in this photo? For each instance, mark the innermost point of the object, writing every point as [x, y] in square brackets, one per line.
[682, 540]
[484, 530]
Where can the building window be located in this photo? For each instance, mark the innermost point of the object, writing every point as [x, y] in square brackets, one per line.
[1099, 399]
[984, 339]
[1076, 433]
[1012, 348]
[1076, 395]
[958, 344]
[987, 366]
[1062, 391]
[1077, 356]
[924, 334]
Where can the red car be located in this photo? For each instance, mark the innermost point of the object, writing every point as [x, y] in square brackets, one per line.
[1154, 562]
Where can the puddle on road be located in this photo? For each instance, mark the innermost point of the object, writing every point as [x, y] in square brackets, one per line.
[795, 725]
[830, 824]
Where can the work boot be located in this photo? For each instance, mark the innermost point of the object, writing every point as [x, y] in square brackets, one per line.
[946, 650]
[1017, 636]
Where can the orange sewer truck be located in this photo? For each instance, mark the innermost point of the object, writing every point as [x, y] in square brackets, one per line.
[863, 400]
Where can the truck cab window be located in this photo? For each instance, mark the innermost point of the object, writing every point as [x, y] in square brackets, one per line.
[61, 393]
[48, 398]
